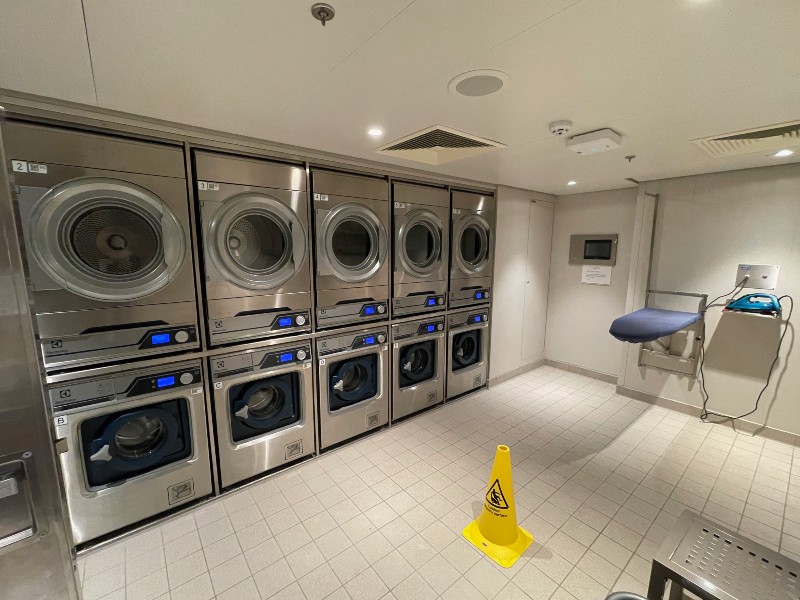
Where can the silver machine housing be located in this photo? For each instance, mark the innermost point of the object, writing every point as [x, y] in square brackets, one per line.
[255, 237]
[290, 365]
[421, 248]
[342, 420]
[467, 338]
[351, 224]
[121, 404]
[419, 352]
[472, 249]
[106, 231]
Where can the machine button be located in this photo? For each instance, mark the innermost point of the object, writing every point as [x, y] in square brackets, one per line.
[381, 308]
[381, 338]
[300, 320]
[440, 327]
[440, 301]
[301, 354]
[486, 294]
[186, 378]
[485, 317]
[181, 337]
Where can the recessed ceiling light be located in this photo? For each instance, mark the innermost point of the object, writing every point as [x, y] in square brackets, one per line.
[572, 182]
[375, 131]
[783, 153]
[483, 82]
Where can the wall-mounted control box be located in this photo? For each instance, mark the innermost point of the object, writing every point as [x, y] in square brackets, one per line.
[759, 277]
[594, 249]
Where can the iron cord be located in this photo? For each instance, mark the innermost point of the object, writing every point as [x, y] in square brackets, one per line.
[704, 412]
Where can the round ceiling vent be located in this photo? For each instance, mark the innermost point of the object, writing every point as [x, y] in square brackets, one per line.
[484, 82]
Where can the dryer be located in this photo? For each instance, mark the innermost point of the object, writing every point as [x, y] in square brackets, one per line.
[467, 350]
[351, 224]
[255, 247]
[106, 229]
[472, 254]
[132, 445]
[421, 248]
[264, 408]
[353, 384]
[419, 350]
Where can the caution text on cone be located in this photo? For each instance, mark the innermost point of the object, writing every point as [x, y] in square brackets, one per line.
[495, 532]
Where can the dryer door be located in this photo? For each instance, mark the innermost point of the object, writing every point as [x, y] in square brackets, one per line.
[416, 363]
[264, 405]
[353, 380]
[106, 239]
[419, 243]
[472, 241]
[466, 349]
[352, 243]
[127, 443]
[256, 241]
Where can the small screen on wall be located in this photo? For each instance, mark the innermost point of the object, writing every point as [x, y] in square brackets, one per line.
[597, 249]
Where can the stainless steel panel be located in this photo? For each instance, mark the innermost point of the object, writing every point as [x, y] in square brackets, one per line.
[344, 307]
[417, 298]
[406, 215]
[41, 144]
[419, 194]
[254, 317]
[412, 399]
[352, 186]
[472, 377]
[38, 566]
[463, 292]
[213, 166]
[473, 201]
[460, 267]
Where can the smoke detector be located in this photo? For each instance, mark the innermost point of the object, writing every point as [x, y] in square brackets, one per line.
[560, 128]
[594, 142]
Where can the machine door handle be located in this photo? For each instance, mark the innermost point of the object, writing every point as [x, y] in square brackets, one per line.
[339, 386]
[8, 487]
[243, 412]
[103, 455]
[407, 366]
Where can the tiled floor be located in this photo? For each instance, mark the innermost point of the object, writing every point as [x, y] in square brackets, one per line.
[599, 479]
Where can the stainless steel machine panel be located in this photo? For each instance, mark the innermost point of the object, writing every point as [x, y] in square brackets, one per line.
[472, 255]
[353, 384]
[351, 224]
[255, 231]
[421, 248]
[264, 406]
[419, 353]
[107, 236]
[132, 445]
[467, 350]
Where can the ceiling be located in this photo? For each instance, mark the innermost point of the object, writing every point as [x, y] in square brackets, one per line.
[659, 72]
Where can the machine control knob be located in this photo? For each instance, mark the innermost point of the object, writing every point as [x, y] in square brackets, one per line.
[301, 354]
[381, 308]
[181, 336]
[186, 378]
[300, 320]
[381, 338]
[440, 301]
[440, 327]
[485, 317]
[486, 294]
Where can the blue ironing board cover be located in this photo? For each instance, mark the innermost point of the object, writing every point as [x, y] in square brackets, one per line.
[649, 324]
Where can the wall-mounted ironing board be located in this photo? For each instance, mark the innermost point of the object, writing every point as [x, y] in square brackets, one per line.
[650, 324]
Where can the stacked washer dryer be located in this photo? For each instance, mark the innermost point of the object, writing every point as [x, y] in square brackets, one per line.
[107, 236]
[418, 374]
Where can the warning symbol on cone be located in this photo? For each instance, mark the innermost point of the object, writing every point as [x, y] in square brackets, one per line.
[495, 496]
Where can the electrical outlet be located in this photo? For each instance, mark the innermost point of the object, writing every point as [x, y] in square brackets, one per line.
[759, 277]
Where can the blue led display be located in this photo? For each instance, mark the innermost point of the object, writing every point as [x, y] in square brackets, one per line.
[285, 322]
[431, 301]
[477, 318]
[431, 328]
[478, 295]
[287, 357]
[369, 310]
[165, 381]
[369, 340]
[159, 338]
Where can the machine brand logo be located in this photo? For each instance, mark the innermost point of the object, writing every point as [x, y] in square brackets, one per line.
[294, 449]
[180, 491]
[64, 393]
[57, 344]
[495, 496]
[220, 364]
[373, 419]
[217, 324]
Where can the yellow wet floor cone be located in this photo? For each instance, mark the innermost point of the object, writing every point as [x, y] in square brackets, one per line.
[495, 531]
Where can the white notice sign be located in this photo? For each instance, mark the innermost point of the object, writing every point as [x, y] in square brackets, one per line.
[596, 275]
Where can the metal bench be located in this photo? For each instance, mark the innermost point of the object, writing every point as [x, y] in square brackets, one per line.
[716, 564]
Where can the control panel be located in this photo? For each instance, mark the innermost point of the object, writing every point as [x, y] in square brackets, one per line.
[418, 328]
[466, 319]
[278, 356]
[174, 336]
[375, 337]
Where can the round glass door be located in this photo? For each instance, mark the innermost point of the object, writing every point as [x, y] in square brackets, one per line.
[473, 245]
[420, 243]
[257, 241]
[353, 380]
[139, 437]
[416, 363]
[106, 239]
[264, 405]
[354, 242]
[466, 349]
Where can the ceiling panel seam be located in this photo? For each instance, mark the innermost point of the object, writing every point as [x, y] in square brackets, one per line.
[89, 49]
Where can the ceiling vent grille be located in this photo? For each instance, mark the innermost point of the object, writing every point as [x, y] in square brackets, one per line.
[766, 139]
[438, 145]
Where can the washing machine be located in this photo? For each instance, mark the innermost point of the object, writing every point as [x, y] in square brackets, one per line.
[105, 223]
[351, 223]
[131, 445]
[472, 254]
[418, 365]
[264, 407]
[255, 240]
[421, 248]
[353, 384]
[467, 350]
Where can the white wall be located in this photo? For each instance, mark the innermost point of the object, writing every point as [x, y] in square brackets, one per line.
[706, 226]
[579, 315]
[522, 261]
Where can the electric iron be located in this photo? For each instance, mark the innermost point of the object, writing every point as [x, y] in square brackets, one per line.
[762, 304]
